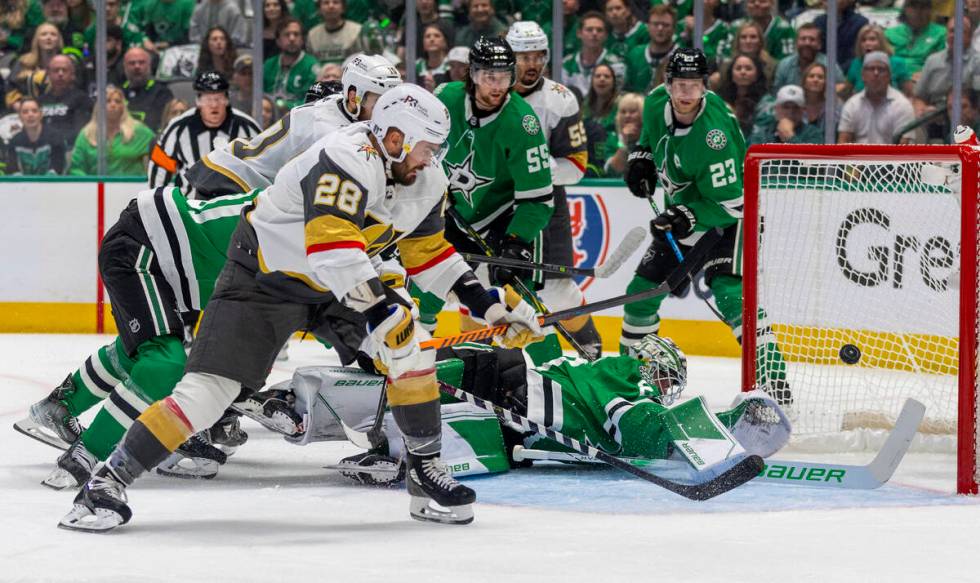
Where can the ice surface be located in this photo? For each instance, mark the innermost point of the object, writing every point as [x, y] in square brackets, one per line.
[273, 514]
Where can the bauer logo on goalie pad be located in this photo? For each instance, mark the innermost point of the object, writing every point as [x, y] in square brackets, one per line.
[590, 232]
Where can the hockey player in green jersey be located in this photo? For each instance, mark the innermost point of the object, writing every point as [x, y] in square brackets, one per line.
[692, 144]
[159, 263]
[498, 164]
[626, 405]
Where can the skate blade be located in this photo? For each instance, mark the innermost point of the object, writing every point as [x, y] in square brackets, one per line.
[426, 510]
[27, 427]
[60, 479]
[84, 520]
[188, 468]
[384, 475]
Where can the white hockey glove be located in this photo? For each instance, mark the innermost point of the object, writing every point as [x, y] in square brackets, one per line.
[512, 309]
[398, 344]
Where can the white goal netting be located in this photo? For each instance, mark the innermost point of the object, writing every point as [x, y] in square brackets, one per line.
[858, 283]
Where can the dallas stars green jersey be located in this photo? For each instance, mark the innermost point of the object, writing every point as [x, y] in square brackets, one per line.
[621, 44]
[604, 403]
[780, 37]
[190, 238]
[699, 166]
[498, 164]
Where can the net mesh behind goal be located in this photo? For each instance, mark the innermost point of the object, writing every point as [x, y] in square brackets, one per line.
[855, 287]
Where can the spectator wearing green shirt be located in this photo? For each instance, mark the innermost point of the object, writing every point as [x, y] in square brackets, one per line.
[629, 126]
[872, 38]
[289, 74]
[128, 142]
[716, 36]
[599, 108]
[18, 19]
[132, 35]
[645, 64]
[918, 36]
[166, 22]
[625, 31]
[779, 34]
[783, 123]
[570, 40]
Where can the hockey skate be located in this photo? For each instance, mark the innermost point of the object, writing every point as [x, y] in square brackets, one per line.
[100, 506]
[194, 459]
[429, 482]
[273, 409]
[49, 420]
[227, 434]
[74, 468]
[371, 469]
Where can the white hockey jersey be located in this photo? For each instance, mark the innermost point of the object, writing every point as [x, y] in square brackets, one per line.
[330, 208]
[246, 164]
[561, 121]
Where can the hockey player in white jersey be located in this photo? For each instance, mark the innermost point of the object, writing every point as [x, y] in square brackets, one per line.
[303, 252]
[561, 122]
[247, 164]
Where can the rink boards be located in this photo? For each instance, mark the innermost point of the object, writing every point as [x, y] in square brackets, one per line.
[54, 225]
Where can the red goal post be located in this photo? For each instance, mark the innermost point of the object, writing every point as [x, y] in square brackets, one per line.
[855, 246]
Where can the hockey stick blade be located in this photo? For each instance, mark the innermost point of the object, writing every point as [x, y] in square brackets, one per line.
[852, 477]
[630, 243]
[738, 474]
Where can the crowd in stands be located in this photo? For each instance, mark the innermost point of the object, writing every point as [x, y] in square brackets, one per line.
[768, 62]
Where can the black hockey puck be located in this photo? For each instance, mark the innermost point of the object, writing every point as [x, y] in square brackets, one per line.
[850, 354]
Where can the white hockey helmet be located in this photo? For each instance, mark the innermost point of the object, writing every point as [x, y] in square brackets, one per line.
[416, 113]
[368, 74]
[663, 366]
[526, 36]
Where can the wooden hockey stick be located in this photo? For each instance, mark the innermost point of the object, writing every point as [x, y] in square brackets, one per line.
[740, 473]
[796, 473]
[627, 247]
[676, 278]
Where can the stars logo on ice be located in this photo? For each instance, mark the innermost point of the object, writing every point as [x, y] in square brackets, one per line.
[464, 181]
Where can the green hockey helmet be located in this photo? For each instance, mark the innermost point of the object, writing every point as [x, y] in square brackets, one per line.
[663, 366]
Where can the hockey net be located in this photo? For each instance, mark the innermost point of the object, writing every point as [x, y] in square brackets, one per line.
[857, 294]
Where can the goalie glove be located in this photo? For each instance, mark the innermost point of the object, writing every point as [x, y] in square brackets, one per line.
[510, 308]
[641, 172]
[677, 219]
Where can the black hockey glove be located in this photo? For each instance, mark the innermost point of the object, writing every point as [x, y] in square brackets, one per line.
[677, 219]
[511, 248]
[641, 172]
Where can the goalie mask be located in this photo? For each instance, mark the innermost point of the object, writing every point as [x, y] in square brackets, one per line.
[663, 366]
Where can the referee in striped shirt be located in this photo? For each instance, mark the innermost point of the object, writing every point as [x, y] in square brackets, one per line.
[189, 137]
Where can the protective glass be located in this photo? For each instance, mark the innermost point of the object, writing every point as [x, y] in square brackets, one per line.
[212, 99]
[532, 58]
[492, 79]
[686, 88]
[426, 153]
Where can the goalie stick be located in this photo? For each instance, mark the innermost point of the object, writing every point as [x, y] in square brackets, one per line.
[676, 278]
[627, 247]
[821, 475]
[741, 472]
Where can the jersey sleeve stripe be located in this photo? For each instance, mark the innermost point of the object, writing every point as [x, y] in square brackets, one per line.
[420, 253]
[534, 195]
[580, 159]
[331, 232]
[447, 253]
[225, 172]
[319, 247]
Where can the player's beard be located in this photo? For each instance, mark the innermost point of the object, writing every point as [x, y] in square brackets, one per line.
[402, 175]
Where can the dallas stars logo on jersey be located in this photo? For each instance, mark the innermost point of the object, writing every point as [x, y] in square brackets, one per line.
[464, 181]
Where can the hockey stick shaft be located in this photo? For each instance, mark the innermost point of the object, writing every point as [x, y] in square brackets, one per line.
[674, 280]
[740, 473]
[517, 283]
[627, 247]
[548, 267]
